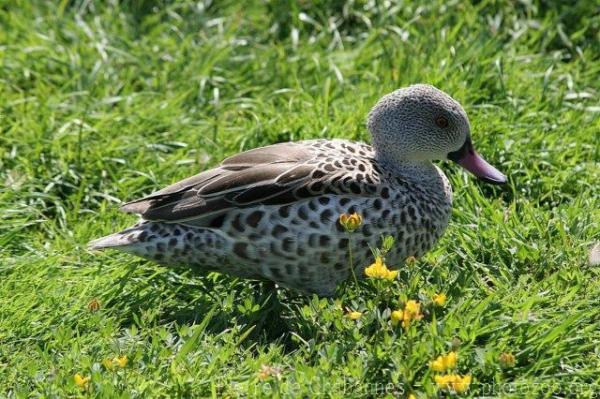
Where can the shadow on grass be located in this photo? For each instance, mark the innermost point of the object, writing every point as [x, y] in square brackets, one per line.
[183, 297]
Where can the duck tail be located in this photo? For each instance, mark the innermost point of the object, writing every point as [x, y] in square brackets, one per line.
[123, 238]
[111, 241]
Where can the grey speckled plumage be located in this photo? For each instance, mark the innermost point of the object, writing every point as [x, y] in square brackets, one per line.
[272, 212]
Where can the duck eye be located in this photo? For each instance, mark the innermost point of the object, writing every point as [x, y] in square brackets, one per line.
[441, 121]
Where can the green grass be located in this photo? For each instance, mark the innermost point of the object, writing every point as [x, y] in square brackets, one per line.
[101, 102]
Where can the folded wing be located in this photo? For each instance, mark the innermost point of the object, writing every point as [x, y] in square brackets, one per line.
[274, 175]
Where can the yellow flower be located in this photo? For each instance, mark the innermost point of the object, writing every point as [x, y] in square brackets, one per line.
[81, 381]
[439, 299]
[121, 361]
[441, 380]
[453, 382]
[443, 363]
[391, 275]
[437, 365]
[380, 270]
[354, 315]
[413, 307]
[108, 364]
[411, 311]
[397, 316]
[411, 396]
[461, 384]
[350, 222]
[507, 360]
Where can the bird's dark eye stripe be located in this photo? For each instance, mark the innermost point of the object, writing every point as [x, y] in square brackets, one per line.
[441, 121]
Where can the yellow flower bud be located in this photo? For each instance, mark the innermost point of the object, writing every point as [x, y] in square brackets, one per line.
[439, 299]
[397, 316]
[350, 222]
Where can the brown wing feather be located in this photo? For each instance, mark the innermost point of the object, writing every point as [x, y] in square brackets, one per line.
[282, 152]
[234, 181]
[277, 174]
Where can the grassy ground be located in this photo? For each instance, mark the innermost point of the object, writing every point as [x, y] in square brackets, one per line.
[103, 103]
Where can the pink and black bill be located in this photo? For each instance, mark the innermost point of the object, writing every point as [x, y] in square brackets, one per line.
[466, 157]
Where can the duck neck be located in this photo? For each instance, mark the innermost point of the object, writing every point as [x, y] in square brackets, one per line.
[421, 175]
[414, 170]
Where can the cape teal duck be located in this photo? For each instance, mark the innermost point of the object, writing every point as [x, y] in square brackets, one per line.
[273, 212]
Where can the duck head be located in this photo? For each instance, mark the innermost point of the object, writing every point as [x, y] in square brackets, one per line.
[420, 123]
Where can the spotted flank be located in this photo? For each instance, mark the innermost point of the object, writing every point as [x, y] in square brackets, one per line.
[272, 212]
